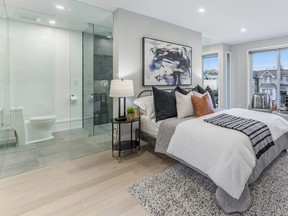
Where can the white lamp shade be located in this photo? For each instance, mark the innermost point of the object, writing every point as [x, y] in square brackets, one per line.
[121, 88]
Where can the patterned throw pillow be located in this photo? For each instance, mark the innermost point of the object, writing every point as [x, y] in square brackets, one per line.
[265, 104]
[257, 102]
[261, 101]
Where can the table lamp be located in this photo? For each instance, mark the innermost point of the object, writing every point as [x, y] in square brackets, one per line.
[121, 88]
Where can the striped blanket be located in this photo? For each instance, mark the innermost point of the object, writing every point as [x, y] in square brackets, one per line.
[257, 131]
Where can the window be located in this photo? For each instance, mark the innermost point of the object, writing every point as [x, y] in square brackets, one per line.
[210, 73]
[268, 79]
[268, 91]
[270, 74]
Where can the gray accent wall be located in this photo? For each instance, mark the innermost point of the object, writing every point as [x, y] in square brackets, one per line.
[129, 28]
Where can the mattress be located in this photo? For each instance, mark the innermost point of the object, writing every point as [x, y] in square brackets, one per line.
[151, 127]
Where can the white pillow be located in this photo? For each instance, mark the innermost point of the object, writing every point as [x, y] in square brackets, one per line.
[146, 104]
[184, 105]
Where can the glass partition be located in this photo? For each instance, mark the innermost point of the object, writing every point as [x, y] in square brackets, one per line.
[4, 134]
[96, 29]
[55, 72]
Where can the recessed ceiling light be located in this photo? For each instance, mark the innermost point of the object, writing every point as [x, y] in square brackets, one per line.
[243, 30]
[52, 22]
[201, 10]
[60, 7]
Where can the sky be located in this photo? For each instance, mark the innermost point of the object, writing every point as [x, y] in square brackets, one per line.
[268, 60]
[210, 63]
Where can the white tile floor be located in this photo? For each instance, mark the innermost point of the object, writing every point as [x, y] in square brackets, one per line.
[66, 145]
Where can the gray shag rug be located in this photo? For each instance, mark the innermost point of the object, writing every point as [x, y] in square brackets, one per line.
[179, 190]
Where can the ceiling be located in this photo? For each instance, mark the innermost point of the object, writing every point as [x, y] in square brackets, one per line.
[222, 21]
[75, 16]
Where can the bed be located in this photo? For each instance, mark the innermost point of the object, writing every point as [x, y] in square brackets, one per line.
[225, 156]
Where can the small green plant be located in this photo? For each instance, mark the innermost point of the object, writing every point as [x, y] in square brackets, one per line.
[130, 110]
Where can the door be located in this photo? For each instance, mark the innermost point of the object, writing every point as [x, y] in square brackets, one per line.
[88, 78]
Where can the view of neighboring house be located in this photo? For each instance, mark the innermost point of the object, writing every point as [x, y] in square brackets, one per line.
[265, 81]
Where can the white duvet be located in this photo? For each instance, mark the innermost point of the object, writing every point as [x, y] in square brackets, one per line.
[225, 155]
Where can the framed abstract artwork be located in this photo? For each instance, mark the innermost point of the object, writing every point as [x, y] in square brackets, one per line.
[166, 64]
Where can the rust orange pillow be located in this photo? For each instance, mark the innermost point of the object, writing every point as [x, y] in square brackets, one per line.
[202, 106]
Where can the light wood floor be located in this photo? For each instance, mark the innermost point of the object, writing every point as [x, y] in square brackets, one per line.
[93, 185]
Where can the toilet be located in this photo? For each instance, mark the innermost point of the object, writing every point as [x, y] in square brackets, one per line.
[36, 129]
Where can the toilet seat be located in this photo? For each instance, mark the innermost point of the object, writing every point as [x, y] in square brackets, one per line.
[42, 118]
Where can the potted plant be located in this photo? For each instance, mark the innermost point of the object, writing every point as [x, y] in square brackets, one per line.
[130, 113]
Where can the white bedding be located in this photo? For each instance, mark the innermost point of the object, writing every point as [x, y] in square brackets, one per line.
[150, 126]
[225, 155]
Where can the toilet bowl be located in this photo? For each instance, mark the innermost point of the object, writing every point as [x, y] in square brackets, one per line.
[36, 129]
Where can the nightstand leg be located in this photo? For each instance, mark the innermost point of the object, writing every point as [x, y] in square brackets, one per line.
[112, 153]
[119, 160]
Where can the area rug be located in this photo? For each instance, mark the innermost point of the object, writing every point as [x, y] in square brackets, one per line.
[179, 190]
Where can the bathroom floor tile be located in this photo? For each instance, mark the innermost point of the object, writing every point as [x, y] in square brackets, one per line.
[45, 151]
[19, 157]
[17, 168]
[53, 158]
[65, 145]
[12, 148]
[1, 161]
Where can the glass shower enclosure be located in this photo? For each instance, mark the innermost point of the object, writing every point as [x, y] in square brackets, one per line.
[54, 63]
[97, 73]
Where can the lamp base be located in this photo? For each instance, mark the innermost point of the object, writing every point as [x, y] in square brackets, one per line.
[122, 118]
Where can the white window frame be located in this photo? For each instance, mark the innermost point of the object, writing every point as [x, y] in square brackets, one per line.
[250, 65]
[219, 73]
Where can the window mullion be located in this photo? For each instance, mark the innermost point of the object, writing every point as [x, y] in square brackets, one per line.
[278, 78]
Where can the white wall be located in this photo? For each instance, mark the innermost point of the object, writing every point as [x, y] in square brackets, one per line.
[31, 68]
[68, 78]
[221, 50]
[39, 69]
[240, 68]
[130, 28]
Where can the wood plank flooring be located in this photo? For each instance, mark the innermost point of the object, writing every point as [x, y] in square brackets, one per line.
[93, 185]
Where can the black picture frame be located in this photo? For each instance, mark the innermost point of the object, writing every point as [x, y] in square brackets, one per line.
[165, 63]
